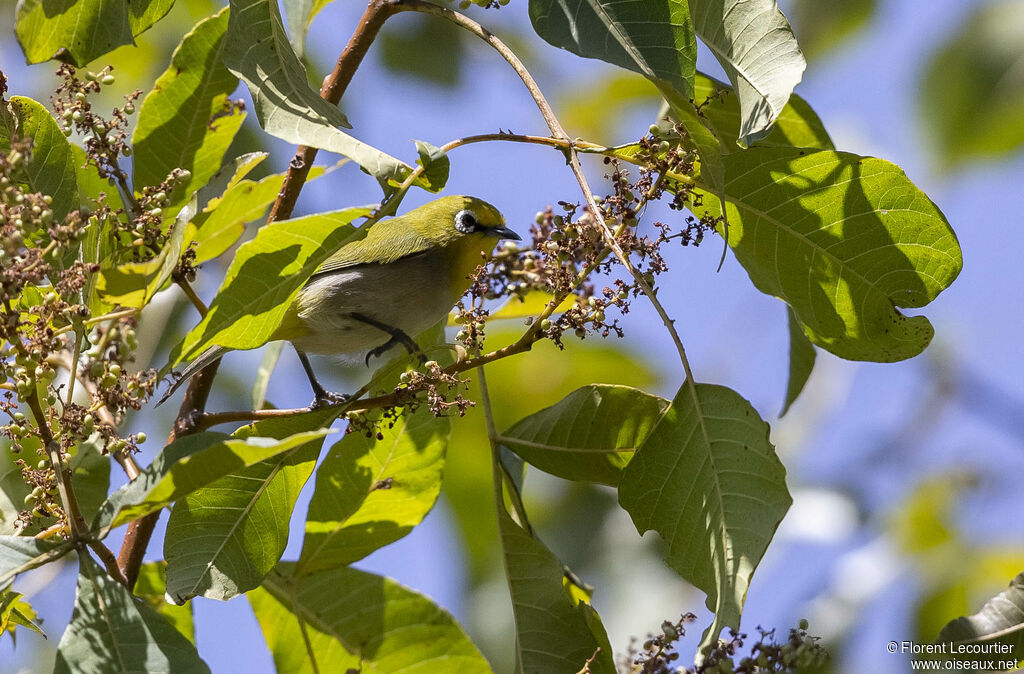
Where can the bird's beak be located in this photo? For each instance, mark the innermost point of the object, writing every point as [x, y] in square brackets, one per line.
[502, 233]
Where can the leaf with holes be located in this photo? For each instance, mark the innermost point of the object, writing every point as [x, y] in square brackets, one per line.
[845, 241]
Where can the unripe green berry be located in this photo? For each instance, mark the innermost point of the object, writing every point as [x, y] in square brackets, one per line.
[140, 437]
[108, 79]
[545, 324]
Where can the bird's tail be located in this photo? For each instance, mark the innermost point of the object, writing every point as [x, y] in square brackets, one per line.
[205, 358]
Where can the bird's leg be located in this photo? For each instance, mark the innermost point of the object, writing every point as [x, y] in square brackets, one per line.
[321, 396]
[397, 337]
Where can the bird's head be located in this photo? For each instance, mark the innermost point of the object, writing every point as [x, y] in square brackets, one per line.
[463, 220]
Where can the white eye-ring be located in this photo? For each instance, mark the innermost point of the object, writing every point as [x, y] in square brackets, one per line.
[465, 221]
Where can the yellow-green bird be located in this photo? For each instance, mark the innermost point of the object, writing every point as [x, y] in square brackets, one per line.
[377, 292]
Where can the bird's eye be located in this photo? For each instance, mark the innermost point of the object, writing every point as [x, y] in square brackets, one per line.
[465, 221]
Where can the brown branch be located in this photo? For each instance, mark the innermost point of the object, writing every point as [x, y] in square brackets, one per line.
[334, 86]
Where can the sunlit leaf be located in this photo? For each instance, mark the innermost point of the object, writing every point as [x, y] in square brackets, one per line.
[224, 538]
[78, 31]
[352, 619]
[371, 492]
[187, 121]
[708, 480]
[845, 241]
[754, 44]
[133, 284]
[258, 52]
[187, 464]
[589, 435]
[52, 168]
[265, 275]
[435, 165]
[218, 228]
[111, 632]
[15, 611]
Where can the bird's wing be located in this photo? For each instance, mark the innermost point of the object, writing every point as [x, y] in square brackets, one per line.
[385, 242]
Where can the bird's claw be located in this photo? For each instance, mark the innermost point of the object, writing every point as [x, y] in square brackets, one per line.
[327, 398]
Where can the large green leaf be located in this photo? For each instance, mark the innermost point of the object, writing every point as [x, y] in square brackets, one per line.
[16, 611]
[801, 361]
[258, 52]
[845, 240]
[556, 630]
[754, 44]
[112, 632]
[52, 169]
[223, 539]
[589, 435]
[708, 480]
[371, 492]
[21, 553]
[797, 125]
[78, 31]
[265, 275]
[186, 121]
[187, 464]
[133, 284]
[999, 624]
[345, 619]
[651, 37]
[218, 227]
[972, 94]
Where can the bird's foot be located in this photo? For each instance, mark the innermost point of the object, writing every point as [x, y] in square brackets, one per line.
[326, 398]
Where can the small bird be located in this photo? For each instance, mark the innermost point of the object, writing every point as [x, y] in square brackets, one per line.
[378, 292]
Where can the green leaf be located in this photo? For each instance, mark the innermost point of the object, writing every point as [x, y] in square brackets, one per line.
[435, 164]
[187, 120]
[650, 37]
[372, 492]
[358, 620]
[52, 168]
[151, 586]
[16, 611]
[187, 464]
[589, 435]
[258, 52]
[708, 480]
[264, 277]
[845, 240]
[754, 43]
[22, 553]
[111, 632]
[224, 538]
[133, 284]
[555, 630]
[223, 222]
[824, 26]
[972, 92]
[78, 31]
[801, 361]
[1000, 621]
[796, 126]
